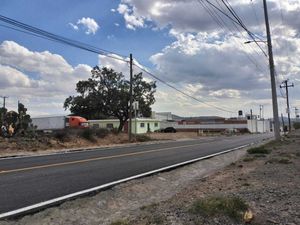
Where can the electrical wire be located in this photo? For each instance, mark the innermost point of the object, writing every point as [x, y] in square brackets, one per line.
[223, 25]
[25, 28]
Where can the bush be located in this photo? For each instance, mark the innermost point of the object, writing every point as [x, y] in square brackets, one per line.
[62, 135]
[100, 132]
[296, 125]
[233, 207]
[142, 138]
[88, 134]
[259, 150]
[120, 222]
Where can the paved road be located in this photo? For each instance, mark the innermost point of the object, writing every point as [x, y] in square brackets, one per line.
[31, 180]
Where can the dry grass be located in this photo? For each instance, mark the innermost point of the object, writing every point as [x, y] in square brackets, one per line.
[234, 207]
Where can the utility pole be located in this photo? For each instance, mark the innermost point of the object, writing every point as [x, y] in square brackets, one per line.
[286, 86]
[130, 101]
[261, 116]
[283, 125]
[4, 98]
[272, 74]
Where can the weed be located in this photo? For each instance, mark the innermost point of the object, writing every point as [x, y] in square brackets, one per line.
[149, 207]
[142, 138]
[248, 159]
[120, 222]
[259, 150]
[259, 156]
[100, 132]
[88, 134]
[234, 207]
[281, 161]
[62, 135]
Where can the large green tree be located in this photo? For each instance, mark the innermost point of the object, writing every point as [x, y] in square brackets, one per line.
[106, 95]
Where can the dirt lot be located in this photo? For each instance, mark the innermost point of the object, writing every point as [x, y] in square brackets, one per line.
[47, 143]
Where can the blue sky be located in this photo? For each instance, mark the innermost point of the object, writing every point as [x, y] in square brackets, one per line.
[177, 40]
[55, 18]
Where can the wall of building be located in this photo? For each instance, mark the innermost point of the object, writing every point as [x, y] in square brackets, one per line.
[105, 124]
[139, 126]
[144, 126]
[259, 126]
[192, 127]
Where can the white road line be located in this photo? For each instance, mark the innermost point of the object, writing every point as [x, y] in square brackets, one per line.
[104, 186]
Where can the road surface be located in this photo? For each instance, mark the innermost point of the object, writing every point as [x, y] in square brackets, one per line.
[31, 180]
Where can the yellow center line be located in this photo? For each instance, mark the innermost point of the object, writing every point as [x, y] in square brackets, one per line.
[92, 159]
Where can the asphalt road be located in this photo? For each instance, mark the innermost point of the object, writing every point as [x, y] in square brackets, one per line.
[31, 180]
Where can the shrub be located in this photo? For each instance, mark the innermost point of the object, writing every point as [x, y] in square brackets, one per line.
[296, 125]
[248, 159]
[62, 135]
[100, 132]
[280, 161]
[142, 138]
[233, 207]
[88, 134]
[120, 222]
[259, 150]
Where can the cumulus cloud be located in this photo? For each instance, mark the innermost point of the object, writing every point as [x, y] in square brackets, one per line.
[10, 77]
[215, 57]
[42, 80]
[88, 24]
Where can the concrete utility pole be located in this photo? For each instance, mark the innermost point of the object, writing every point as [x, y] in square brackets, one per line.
[130, 101]
[4, 98]
[272, 74]
[286, 86]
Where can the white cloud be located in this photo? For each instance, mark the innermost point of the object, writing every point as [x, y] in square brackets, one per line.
[10, 77]
[132, 21]
[75, 27]
[42, 80]
[214, 58]
[88, 24]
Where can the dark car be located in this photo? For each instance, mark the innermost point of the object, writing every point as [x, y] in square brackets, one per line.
[170, 130]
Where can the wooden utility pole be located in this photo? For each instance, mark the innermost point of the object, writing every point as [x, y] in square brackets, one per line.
[283, 125]
[130, 101]
[286, 86]
[272, 74]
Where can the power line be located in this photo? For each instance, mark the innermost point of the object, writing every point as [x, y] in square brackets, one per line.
[182, 92]
[223, 25]
[240, 22]
[25, 28]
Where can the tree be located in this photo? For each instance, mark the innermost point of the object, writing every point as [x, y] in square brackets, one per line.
[106, 95]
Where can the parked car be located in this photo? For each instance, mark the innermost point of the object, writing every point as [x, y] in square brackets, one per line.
[170, 130]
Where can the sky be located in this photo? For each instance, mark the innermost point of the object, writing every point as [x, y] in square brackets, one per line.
[177, 40]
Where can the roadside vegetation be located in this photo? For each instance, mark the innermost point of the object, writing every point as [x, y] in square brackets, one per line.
[233, 207]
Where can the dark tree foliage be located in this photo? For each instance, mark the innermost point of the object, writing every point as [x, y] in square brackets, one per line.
[106, 95]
